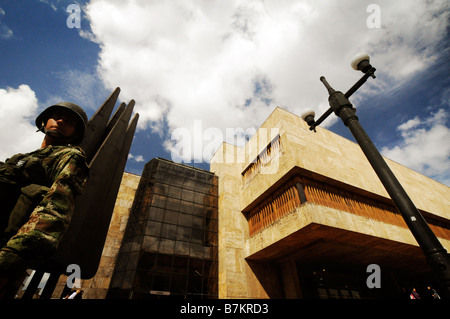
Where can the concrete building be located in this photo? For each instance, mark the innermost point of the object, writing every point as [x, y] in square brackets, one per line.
[169, 249]
[162, 239]
[97, 287]
[303, 215]
[293, 214]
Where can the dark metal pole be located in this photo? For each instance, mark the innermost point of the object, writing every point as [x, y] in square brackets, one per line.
[347, 94]
[436, 255]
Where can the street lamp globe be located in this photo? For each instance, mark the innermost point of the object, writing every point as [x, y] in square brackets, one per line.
[360, 62]
[308, 117]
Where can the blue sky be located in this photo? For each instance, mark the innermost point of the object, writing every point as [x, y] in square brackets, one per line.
[228, 64]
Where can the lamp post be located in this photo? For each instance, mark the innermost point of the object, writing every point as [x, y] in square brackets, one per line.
[437, 257]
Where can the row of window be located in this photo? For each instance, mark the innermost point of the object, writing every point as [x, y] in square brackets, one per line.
[273, 149]
[173, 283]
[198, 249]
[165, 171]
[177, 232]
[198, 221]
[180, 264]
[174, 180]
[300, 189]
[177, 264]
[159, 213]
[187, 197]
[170, 245]
[168, 273]
[171, 184]
[177, 247]
[167, 283]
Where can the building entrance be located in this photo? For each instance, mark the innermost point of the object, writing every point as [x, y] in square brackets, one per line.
[327, 282]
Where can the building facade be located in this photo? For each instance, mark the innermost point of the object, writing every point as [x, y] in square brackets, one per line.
[303, 215]
[97, 287]
[169, 249]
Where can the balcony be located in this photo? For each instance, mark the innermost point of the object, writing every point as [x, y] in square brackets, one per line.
[298, 190]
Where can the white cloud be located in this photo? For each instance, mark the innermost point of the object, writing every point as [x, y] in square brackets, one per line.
[425, 147]
[53, 6]
[18, 109]
[136, 158]
[229, 63]
[5, 31]
[81, 87]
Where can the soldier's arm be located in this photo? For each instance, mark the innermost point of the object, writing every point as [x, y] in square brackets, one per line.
[39, 237]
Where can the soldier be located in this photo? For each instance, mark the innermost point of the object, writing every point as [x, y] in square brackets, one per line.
[38, 189]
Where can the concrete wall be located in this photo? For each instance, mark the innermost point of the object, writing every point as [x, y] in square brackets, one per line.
[96, 287]
[323, 153]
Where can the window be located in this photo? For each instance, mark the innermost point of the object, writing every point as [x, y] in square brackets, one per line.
[273, 149]
[178, 234]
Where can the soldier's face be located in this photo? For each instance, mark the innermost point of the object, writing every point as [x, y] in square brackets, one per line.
[63, 123]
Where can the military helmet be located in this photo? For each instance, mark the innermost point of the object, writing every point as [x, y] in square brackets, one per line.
[79, 113]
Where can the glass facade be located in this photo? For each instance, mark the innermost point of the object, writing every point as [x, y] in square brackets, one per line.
[170, 248]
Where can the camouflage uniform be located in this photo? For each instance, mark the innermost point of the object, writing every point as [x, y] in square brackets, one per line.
[46, 182]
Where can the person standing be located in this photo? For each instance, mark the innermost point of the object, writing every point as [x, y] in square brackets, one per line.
[38, 190]
[414, 294]
[433, 293]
